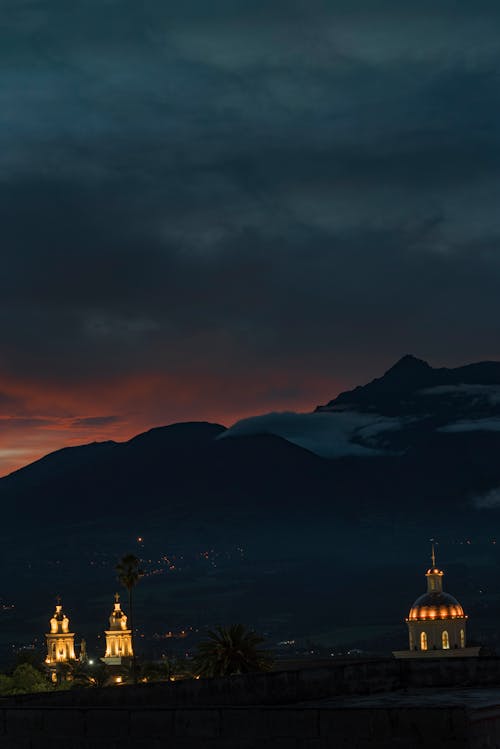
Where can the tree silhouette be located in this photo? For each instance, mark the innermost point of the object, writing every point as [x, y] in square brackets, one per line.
[231, 650]
[129, 573]
[24, 680]
[86, 675]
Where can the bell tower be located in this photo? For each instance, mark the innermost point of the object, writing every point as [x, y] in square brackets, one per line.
[60, 641]
[118, 637]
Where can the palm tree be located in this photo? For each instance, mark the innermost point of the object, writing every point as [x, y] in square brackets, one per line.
[85, 675]
[231, 650]
[129, 574]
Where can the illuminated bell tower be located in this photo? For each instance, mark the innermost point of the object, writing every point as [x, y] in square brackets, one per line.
[60, 641]
[118, 637]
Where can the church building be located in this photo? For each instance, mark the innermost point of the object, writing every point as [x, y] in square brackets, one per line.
[118, 637]
[436, 622]
[60, 641]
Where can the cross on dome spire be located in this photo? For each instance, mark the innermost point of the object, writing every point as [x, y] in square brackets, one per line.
[434, 575]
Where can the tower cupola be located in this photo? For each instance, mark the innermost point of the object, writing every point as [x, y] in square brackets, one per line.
[117, 619]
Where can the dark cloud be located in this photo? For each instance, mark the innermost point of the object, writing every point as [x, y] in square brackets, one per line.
[95, 421]
[206, 190]
[22, 423]
[9, 402]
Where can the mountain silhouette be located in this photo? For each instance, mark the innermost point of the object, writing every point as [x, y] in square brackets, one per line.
[407, 386]
[196, 489]
[444, 426]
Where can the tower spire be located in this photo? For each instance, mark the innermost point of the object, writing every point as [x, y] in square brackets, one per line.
[434, 576]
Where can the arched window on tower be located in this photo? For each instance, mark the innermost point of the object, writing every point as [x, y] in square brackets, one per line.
[462, 638]
[423, 641]
[445, 640]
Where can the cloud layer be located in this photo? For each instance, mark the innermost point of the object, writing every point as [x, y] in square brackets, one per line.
[331, 435]
[488, 501]
[210, 210]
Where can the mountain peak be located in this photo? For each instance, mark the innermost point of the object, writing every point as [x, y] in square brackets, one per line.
[408, 375]
[409, 364]
[402, 387]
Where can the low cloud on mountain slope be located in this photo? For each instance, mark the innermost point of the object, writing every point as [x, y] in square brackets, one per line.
[473, 425]
[330, 435]
[478, 393]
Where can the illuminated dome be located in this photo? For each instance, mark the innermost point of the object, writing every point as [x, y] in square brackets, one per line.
[435, 605]
[437, 624]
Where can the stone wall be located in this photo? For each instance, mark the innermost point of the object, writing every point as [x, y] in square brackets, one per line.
[444, 672]
[306, 708]
[271, 688]
[288, 687]
[236, 728]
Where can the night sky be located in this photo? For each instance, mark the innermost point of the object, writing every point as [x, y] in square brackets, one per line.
[216, 209]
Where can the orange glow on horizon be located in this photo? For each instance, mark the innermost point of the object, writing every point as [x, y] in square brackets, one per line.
[44, 416]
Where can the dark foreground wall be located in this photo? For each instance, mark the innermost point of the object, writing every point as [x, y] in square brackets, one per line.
[247, 728]
[355, 705]
[288, 687]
